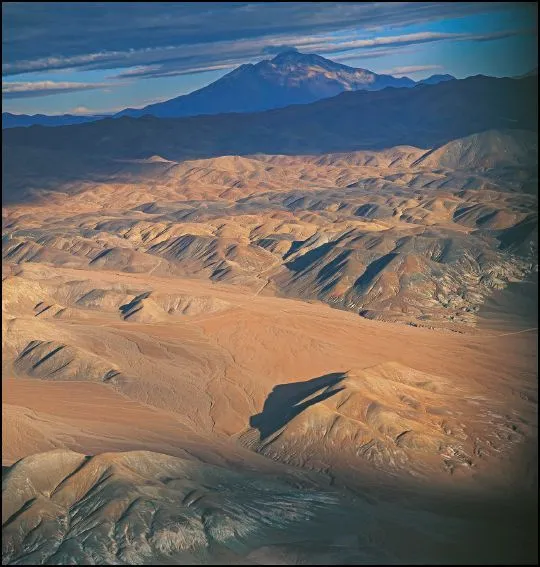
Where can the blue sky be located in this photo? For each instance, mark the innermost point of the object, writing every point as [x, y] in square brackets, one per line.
[102, 57]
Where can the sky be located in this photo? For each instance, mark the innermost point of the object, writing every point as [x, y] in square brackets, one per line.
[101, 57]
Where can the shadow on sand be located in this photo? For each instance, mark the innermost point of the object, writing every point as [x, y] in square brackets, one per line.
[286, 401]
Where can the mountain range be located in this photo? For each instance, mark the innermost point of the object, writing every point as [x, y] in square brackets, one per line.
[425, 116]
[10, 120]
[289, 78]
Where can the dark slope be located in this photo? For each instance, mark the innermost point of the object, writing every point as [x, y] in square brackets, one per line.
[425, 116]
[435, 79]
[10, 120]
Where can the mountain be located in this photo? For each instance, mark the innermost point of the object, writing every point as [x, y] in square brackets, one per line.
[289, 78]
[425, 117]
[156, 505]
[485, 150]
[435, 79]
[10, 120]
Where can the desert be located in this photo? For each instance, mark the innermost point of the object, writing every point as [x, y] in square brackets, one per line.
[298, 329]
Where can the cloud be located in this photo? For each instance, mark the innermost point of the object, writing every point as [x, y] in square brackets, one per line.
[412, 39]
[410, 70]
[182, 35]
[179, 59]
[371, 53]
[174, 60]
[275, 49]
[45, 88]
[160, 71]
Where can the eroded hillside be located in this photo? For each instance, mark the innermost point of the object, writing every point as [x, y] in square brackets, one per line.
[405, 235]
[208, 349]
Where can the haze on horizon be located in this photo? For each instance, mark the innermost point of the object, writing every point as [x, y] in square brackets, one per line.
[84, 58]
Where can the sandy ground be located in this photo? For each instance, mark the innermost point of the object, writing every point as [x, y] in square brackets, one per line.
[208, 374]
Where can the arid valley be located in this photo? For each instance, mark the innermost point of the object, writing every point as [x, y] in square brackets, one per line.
[269, 338]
